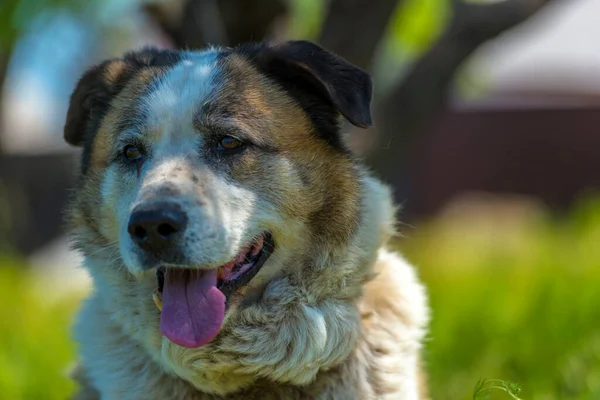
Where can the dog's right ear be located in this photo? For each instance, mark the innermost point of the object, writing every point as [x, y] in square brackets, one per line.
[100, 84]
[91, 98]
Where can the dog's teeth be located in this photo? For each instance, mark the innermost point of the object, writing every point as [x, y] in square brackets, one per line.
[257, 246]
[157, 300]
[241, 258]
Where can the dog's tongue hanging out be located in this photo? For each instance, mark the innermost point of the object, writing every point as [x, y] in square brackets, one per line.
[192, 307]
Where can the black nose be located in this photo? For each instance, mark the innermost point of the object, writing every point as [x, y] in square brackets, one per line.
[155, 226]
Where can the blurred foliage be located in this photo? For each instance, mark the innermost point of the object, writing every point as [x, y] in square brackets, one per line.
[15, 16]
[417, 23]
[515, 300]
[413, 27]
[306, 18]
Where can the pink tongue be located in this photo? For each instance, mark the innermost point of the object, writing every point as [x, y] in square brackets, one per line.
[192, 307]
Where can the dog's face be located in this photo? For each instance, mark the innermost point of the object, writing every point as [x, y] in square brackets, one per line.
[214, 171]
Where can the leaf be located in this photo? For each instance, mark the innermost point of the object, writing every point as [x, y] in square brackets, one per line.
[485, 386]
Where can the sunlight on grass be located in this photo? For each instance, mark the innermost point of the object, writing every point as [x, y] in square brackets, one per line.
[513, 299]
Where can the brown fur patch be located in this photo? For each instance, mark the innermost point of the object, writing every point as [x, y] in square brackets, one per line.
[103, 145]
[113, 71]
[264, 110]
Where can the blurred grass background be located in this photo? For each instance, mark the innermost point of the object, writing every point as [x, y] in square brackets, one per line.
[35, 350]
[514, 296]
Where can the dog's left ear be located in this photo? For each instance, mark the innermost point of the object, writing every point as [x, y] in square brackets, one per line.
[305, 64]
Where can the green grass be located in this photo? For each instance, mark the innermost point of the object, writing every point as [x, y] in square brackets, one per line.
[35, 350]
[485, 386]
[513, 299]
[517, 300]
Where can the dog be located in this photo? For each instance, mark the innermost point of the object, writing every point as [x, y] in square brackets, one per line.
[238, 248]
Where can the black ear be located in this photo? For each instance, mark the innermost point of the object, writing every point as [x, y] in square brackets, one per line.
[100, 84]
[304, 64]
[90, 99]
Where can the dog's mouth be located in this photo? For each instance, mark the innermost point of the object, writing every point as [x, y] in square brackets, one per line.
[193, 301]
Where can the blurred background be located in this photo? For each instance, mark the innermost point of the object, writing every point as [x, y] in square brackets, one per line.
[487, 126]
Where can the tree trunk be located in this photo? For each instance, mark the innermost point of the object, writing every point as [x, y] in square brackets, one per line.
[217, 22]
[5, 201]
[354, 28]
[4, 61]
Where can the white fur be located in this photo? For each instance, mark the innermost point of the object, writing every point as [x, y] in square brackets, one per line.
[185, 87]
[220, 224]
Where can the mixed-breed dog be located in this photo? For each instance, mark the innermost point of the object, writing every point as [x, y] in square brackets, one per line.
[237, 246]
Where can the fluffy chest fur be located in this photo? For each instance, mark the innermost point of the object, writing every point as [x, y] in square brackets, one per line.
[383, 363]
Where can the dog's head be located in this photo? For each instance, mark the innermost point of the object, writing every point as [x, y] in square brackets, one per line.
[215, 171]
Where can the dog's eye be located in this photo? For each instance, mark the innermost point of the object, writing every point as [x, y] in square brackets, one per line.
[132, 153]
[228, 143]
